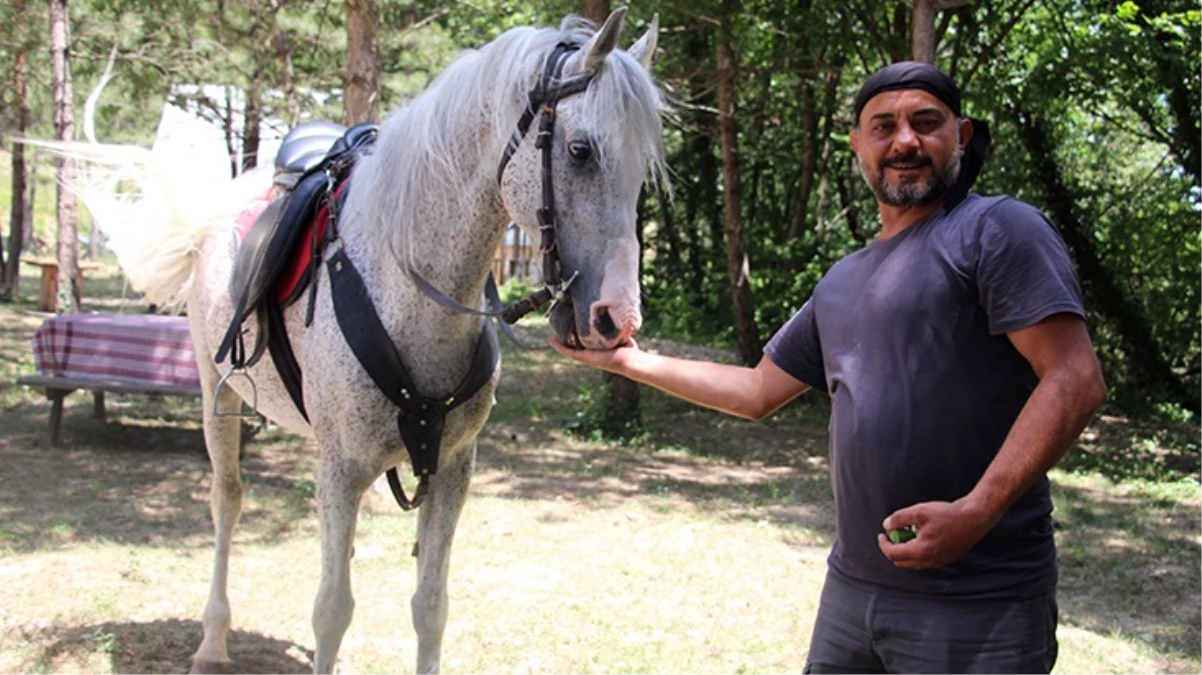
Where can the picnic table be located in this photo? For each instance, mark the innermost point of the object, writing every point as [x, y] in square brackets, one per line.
[142, 353]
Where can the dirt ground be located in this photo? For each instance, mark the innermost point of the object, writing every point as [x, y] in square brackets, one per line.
[699, 547]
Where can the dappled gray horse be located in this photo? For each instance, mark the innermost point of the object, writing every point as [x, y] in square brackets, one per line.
[430, 201]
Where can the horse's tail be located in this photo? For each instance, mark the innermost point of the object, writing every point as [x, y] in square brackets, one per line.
[155, 213]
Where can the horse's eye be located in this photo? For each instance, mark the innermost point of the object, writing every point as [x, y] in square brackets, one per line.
[580, 151]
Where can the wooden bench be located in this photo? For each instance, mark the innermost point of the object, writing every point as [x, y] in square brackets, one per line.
[57, 388]
[48, 292]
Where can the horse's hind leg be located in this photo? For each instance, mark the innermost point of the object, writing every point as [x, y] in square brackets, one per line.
[340, 486]
[437, 519]
[223, 440]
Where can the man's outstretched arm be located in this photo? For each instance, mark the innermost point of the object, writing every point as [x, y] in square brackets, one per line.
[753, 393]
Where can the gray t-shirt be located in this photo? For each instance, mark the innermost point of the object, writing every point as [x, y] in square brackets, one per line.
[908, 336]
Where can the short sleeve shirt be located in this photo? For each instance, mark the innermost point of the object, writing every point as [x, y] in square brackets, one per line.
[908, 337]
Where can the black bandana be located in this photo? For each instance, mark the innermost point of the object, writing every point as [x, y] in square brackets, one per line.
[919, 75]
[909, 75]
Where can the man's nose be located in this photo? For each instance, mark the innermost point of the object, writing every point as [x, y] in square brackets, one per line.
[905, 137]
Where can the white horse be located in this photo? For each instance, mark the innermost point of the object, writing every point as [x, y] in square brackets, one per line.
[426, 199]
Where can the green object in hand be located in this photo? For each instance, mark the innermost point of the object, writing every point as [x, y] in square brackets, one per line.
[902, 535]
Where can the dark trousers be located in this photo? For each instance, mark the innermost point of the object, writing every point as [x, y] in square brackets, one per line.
[862, 631]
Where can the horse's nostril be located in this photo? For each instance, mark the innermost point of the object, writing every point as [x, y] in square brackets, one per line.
[605, 324]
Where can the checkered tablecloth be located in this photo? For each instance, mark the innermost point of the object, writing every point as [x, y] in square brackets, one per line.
[134, 348]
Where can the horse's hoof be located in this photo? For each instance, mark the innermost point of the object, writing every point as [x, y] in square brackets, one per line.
[203, 666]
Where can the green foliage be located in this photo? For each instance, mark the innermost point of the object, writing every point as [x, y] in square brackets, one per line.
[1115, 84]
[515, 289]
[593, 420]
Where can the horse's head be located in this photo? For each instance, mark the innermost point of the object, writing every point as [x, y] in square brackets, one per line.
[603, 141]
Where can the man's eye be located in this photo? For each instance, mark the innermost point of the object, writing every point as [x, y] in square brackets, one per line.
[580, 151]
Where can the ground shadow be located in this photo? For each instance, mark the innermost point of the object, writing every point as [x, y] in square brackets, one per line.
[1122, 449]
[163, 646]
[140, 478]
[534, 462]
[1112, 547]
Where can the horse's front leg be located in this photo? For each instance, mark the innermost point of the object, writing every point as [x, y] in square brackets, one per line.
[340, 487]
[223, 440]
[436, 524]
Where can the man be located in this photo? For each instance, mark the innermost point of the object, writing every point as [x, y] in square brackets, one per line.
[960, 370]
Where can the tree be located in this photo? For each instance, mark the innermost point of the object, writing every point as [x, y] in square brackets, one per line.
[69, 293]
[10, 275]
[362, 61]
[923, 35]
[738, 265]
[620, 414]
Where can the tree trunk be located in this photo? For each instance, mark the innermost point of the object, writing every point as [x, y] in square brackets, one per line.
[922, 31]
[252, 119]
[698, 168]
[736, 257]
[621, 416]
[227, 127]
[283, 50]
[1102, 291]
[362, 61]
[27, 243]
[809, 156]
[596, 11]
[64, 125]
[11, 277]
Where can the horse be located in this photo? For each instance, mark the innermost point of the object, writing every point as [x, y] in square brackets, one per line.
[428, 202]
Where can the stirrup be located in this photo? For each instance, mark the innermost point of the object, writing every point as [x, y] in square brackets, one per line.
[254, 404]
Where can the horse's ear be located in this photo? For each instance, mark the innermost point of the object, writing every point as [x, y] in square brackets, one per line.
[603, 42]
[645, 47]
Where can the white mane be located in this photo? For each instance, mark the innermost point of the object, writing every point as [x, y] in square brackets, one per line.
[416, 151]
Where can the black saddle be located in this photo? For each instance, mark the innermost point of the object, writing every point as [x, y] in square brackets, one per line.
[313, 159]
[303, 148]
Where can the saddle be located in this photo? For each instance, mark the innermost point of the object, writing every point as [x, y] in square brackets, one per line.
[272, 268]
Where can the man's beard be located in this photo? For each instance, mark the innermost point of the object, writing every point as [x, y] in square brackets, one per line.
[913, 194]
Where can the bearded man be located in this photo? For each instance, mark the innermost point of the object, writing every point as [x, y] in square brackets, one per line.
[955, 352]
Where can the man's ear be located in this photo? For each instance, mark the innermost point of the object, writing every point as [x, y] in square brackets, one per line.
[854, 139]
[965, 133]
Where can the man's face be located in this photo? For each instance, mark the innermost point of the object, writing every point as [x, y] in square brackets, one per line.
[909, 145]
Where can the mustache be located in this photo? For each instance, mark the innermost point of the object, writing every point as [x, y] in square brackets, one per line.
[914, 158]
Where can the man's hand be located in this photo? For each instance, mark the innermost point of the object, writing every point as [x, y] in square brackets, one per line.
[946, 530]
[613, 360]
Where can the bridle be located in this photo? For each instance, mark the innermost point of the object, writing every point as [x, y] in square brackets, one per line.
[543, 100]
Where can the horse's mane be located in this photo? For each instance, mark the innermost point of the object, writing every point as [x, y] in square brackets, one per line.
[417, 148]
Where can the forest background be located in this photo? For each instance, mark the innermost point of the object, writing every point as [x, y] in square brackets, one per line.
[1094, 108]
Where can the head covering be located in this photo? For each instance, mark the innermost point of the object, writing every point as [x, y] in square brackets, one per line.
[924, 76]
[909, 75]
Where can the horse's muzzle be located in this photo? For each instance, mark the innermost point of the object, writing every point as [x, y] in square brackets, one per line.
[563, 324]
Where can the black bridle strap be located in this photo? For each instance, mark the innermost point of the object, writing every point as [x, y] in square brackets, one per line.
[543, 99]
[548, 93]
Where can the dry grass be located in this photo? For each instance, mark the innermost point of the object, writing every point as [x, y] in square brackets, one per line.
[698, 548]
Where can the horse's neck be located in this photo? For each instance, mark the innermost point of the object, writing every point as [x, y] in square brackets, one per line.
[453, 241]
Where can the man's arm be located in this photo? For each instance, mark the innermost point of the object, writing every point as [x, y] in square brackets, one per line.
[1070, 390]
[753, 393]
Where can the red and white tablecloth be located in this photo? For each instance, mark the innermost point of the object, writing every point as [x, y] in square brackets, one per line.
[135, 348]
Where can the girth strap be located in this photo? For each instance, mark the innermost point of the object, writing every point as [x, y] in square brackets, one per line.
[420, 419]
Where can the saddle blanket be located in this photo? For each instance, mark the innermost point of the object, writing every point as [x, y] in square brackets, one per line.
[135, 348]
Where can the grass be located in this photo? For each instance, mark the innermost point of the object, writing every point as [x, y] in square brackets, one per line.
[697, 547]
